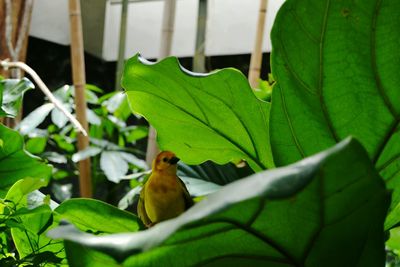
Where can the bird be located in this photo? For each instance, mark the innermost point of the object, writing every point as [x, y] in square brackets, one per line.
[163, 195]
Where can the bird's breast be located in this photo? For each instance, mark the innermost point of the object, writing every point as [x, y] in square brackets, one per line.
[163, 186]
[164, 198]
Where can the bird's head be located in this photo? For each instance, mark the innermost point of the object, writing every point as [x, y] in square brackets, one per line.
[165, 162]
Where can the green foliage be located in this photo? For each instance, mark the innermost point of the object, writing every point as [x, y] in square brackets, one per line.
[293, 216]
[335, 65]
[11, 94]
[36, 145]
[188, 110]
[330, 88]
[112, 144]
[26, 216]
[15, 163]
[96, 216]
[264, 90]
[393, 248]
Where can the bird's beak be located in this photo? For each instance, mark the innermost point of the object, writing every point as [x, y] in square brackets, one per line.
[173, 160]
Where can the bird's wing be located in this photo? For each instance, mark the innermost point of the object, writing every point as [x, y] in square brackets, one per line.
[188, 200]
[141, 209]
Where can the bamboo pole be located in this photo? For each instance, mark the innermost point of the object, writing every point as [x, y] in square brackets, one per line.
[122, 41]
[256, 55]
[168, 25]
[79, 79]
[165, 50]
[199, 59]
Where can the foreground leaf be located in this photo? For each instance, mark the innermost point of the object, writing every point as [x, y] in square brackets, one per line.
[15, 163]
[330, 88]
[187, 110]
[326, 210]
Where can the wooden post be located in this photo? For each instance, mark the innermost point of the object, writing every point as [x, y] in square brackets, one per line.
[165, 50]
[199, 59]
[256, 55]
[122, 41]
[79, 79]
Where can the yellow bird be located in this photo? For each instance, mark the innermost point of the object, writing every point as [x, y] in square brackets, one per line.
[164, 195]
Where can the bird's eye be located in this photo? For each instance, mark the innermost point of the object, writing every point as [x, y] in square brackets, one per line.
[165, 159]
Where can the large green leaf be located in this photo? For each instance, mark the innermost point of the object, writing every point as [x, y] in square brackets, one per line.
[200, 117]
[15, 163]
[11, 94]
[327, 210]
[336, 64]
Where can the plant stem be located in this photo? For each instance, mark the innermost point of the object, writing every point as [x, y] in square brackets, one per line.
[45, 90]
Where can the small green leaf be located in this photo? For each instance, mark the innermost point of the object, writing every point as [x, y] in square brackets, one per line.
[132, 159]
[86, 153]
[394, 241]
[36, 145]
[55, 157]
[188, 109]
[92, 117]
[35, 118]
[134, 133]
[60, 174]
[19, 191]
[113, 103]
[59, 118]
[94, 88]
[96, 216]
[13, 91]
[114, 165]
[64, 142]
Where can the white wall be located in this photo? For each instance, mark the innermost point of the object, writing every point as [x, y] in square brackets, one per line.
[230, 30]
[50, 21]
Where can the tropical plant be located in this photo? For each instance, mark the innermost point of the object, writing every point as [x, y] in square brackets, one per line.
[112, 143]
[26, 214]
[299, 215]
[330, 208]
